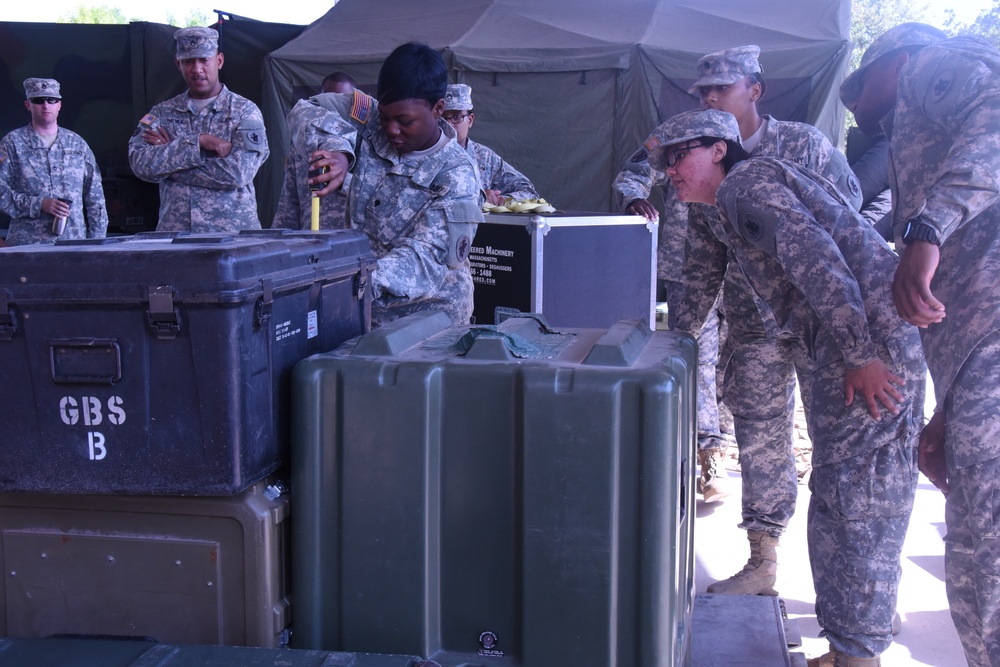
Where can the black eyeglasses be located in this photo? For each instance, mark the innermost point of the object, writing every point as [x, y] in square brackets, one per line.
[45, 100]
[678, 153]
[457, 119]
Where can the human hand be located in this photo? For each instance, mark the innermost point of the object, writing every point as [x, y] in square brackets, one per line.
[55, 207]
[644, 208]
[212, 144]
[157, 136]
[494, 197]
[336, 165]
[930, 452]
[911, 286]
[873, 381]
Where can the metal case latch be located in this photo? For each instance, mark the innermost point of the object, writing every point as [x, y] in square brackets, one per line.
[163, 318]
[262, 309]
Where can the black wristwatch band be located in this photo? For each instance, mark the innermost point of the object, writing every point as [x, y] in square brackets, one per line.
[918, 231]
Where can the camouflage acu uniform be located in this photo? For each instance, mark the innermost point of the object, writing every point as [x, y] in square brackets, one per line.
[30, 172]
[760, 361]
[496, 174]
[820, 273]
[420, 214]
[635, 181]
[202, 192]
[946, 161]
[313, 127]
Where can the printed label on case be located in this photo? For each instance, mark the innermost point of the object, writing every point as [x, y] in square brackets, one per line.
[312, 324]
[89, 411]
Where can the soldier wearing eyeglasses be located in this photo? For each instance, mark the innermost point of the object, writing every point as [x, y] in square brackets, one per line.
[203, 147]
[50, 184]
[500, 180]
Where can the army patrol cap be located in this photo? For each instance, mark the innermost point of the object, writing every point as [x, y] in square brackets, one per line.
[902, 36]
[41, 88]
[458, 97]
[727, 66]
[691, 125]
[196, 43]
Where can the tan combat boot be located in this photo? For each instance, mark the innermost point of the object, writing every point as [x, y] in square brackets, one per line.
[837, 659]
[759, 574]
[712, 484]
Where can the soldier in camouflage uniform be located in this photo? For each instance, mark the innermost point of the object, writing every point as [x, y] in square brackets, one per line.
[203, 147]
[945, 153]
[41, 163]
[632, 188]
[821, 274]
[313, 124]
[499, 179]
[759, 361]
[411, 187]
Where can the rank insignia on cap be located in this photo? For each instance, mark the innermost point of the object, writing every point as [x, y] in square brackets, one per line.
[361, 107]
[651, 143]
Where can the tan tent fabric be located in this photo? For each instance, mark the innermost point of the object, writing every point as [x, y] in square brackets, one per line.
[566, 91]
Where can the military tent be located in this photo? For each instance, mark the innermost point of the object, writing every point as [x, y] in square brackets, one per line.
[567, 91]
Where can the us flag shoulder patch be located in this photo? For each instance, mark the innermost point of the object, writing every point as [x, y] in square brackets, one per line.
[361, 107]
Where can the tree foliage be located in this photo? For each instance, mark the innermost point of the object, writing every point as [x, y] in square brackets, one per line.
[986, 25]
[870, 18]
[95, 14]
[193, 18]
[108, 14]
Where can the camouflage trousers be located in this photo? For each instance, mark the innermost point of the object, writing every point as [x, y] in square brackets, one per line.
[863, 481]
[972, 508]
[709, 338]
[858, 515]
[759, 390]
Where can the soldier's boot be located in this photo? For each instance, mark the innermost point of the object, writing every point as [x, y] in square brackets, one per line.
[837, 659]
[713, 483]
[759, 574]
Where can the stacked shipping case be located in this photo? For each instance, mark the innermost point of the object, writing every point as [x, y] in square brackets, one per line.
[148, 382]
[585, 270]
[510, 495]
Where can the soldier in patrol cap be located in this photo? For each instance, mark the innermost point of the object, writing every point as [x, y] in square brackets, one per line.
[759, 360]
[499, 179]
[203, 147]
[880, 65]
[942, 122]
[821, 274]
[50, 184]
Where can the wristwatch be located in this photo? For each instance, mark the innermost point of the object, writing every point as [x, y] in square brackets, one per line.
[919, 231]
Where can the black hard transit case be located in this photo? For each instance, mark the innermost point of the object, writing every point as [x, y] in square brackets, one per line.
[160, 363]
